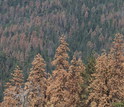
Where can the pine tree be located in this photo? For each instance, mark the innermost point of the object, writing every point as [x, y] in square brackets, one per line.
[99, 85]
[107, 86]
[61, 57]
[36, 85]
[17, 79]
[117, 68]
[14, 87]
[57, 90]
[75, 82]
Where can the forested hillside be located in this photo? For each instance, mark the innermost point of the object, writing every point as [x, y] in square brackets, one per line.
[69, 84]
[28, 27]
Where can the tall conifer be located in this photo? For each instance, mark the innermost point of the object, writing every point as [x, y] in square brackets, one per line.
[14, 87]
[117, 67]
[75, 82]
[108, 84]
[57, 90]
[36, 85]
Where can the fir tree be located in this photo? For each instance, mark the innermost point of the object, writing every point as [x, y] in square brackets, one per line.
[14, 87]
[36, 85]
[90, 68]
[61, 56]
[108, 84]
[99, 85]
[117, 70]
[57, 90]
[75, 82]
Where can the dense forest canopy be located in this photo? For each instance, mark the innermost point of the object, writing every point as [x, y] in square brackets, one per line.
[28, 27]
[70, 84]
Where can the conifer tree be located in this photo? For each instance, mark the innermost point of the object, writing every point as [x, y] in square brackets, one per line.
[75, 82]
[99, 86]
[9, 97]
[57, 90]
[90, 68]
[14, 87]
[117, 68]
[61, 56]
[36, 85]
[108, 84]
[17, 79]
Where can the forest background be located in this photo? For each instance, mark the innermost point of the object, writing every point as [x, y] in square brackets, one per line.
[28, 27]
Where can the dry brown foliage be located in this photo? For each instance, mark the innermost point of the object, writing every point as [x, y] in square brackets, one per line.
[107, 86]
[36, 85]
[74, 83]
[12, 92]
[57, 89]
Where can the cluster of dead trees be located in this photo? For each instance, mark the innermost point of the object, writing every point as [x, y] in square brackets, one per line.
[65, 86]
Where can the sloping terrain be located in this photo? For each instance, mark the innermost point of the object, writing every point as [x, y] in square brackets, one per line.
[31, 26]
